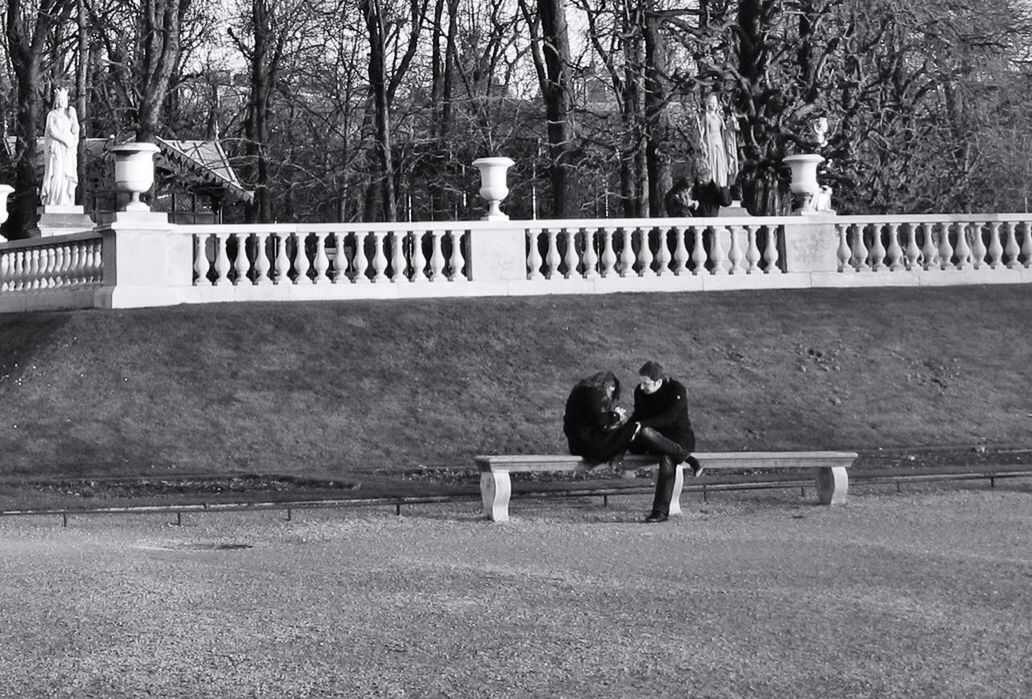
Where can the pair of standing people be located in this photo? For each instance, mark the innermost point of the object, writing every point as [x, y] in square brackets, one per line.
[597, 429]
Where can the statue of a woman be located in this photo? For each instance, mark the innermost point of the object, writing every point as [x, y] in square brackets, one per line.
[61, 143]
[717, 141]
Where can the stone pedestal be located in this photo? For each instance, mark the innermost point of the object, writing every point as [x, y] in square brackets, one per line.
[59, 220]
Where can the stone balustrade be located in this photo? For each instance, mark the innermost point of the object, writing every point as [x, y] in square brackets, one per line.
[129, 263]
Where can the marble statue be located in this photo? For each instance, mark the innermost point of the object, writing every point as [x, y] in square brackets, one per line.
[61, 144]
[719, 142]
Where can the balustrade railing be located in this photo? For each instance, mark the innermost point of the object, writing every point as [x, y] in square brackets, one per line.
[296, 255]
[158, 263]
[639, 249]
[925, 244]
[52, 263]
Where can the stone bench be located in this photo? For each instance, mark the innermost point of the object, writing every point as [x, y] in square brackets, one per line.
[496, 486]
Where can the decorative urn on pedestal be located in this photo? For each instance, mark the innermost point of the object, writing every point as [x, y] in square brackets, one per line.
[134, 171]
[804, 183]
[5, 190]
[493, 186]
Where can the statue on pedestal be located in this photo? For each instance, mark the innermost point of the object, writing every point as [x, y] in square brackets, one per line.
[61, 144]
[719, 142]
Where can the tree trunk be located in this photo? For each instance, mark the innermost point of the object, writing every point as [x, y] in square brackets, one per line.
[558, 109]
[381, 105]
[658, 132]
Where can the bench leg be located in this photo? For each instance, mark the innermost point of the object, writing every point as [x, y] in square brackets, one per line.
[832, 485]
[675, 496]
[495, 489]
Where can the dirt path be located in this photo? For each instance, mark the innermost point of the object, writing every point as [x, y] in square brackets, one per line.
[762, 594]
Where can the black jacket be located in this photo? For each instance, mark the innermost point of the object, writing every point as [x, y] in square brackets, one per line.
[710, 198]
[665, 411]
[592, 427]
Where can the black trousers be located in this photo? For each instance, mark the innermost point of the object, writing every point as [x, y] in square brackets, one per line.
[649, 441]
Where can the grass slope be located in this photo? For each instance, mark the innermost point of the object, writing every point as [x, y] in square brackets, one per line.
[327, 389]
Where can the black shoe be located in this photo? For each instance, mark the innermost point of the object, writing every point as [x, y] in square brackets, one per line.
[656, 517]
[696, 467]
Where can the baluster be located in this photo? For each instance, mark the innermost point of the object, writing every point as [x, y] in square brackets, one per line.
[929, 250]
[6, 271]
[321, 263]
[436, 258]
[608, 255]
[418, 258]
[39, 264]
[302, 265]
[627, 253]
[570, 258]
[699, 256]
[340, 258]
[680, 251]
[23, 262]
[59, 273]
[14, 270]
[240, 262]
[978, 248]
[221, 259]
[69, 256]
[76, 263]
[752, 251]
[261, 258]
[770, 252]
[93, 261]
[844, 253]
[533, 256]
[458, 260]
[200, 260]
[645, 256]
[663, 256]
[590, 256]
[963, 249]
[860, 249]
[912, 253]
[1026, 244]
[717, 251]
[552, 255]
[360, 262]
[399, 266]
[282, 260]
[876, 254]
[1011, 248]
[894, 254]
[379, 262]
[945, 248]
[995, 246]
[735, 255]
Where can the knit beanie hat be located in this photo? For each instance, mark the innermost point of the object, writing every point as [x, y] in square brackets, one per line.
[652, 370]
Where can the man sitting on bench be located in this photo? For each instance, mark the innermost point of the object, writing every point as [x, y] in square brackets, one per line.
[661, 408]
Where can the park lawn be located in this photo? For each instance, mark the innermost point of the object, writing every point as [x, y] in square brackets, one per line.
[333, 390]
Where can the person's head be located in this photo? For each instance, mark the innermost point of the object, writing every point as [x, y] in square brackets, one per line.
[711, 102]
[607, 383]
[61, 97]
[703, 171]
[651, 376]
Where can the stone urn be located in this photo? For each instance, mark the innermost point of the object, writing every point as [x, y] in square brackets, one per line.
[5, 191]
[804, 183]
[493, 186]
[134, 171]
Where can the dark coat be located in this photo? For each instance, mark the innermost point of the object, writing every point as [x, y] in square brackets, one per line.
[665, 411]
[591, 426]
[710, 198]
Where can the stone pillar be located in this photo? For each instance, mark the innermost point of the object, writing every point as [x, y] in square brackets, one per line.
[811, 244]
[498, 253]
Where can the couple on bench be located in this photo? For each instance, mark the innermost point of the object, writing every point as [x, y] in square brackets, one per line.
[598, 430]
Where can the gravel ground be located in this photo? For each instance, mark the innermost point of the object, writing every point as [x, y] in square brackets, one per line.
[925, 593]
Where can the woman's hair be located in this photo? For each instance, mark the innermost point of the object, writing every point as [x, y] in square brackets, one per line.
[601, 380]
